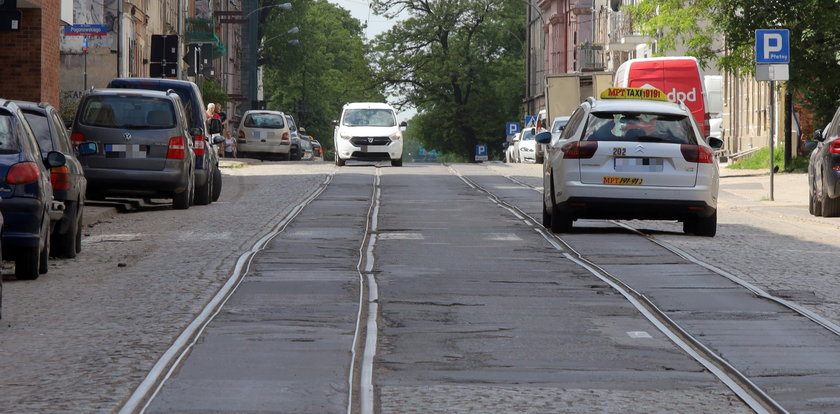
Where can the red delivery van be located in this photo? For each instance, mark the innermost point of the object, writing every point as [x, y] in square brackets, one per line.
[681, 78]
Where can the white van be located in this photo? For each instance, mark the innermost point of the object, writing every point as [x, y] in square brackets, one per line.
[368, 131]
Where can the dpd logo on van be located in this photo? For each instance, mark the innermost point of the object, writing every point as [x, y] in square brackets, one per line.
[676, 96]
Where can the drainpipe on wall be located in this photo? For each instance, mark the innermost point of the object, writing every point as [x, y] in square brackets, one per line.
[119, 38]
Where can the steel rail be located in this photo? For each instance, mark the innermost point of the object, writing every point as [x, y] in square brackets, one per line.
[736, 381]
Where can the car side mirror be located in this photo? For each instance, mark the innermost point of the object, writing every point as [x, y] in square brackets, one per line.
[533, 131]
[87, 148]
[543, 137]
[218, 139]
[715, 143]
[818, 135]
[302, 130]
[403, 124]
[197, 131]
[55, 159]
[334, 123]
[809, 146]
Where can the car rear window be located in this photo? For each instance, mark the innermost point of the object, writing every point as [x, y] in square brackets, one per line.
[8, 143]
[41, 127]
[369, 117]
[639, 127]
[121, 111]
[270, 121]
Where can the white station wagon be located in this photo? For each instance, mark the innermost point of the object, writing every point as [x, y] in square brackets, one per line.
[631, 155]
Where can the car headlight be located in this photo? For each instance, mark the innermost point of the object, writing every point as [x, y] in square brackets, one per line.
[396, 136]
[345, 135]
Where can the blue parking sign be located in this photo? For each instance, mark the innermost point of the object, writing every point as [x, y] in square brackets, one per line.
[512, 128]
[481, 152]
[772, 46]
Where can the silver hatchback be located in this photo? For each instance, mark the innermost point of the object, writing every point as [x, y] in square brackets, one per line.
[136, 143]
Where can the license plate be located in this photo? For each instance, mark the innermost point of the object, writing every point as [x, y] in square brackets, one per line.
[622, 181]
[125, 151]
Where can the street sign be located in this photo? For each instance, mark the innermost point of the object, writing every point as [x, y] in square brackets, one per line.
[766, 72]
[87, 29]
[164, 49]
[511, 128]
[530, 121]
[772, 46]
[481, 152]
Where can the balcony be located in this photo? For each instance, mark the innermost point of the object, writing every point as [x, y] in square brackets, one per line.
[589, 57]
[621, 35]
[203, 31]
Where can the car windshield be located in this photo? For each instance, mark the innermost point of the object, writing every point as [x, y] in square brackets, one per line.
[369, 117]
[639, 127]
[559, 124]
[527, 135]
[41, 127]
[8, 143]
[135, 112]
[262, 120]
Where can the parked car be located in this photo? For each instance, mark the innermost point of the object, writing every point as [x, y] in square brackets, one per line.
[208, 177]
[511, 149]
[264, 134]
[143, 145]
[823, 178]
[26, 193]
[296, 152]
[368, 131]
[68, 181]
[631, 155]
[527, 147]
[557, 126]
[306, 146]
[317, 150]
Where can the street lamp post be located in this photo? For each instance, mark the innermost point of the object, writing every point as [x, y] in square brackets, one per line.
[253, 46]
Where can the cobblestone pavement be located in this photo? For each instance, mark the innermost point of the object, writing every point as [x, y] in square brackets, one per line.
[775, 245]
[81, 337]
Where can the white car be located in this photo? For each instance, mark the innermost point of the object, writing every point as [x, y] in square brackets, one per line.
[526, 147]
[264, 134]
[368, 131]
[511, 153]
[631, 159]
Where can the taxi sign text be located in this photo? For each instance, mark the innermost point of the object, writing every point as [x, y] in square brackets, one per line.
[622, 181]
[650, 94]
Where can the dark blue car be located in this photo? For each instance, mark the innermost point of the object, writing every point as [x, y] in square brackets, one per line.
[26, 192]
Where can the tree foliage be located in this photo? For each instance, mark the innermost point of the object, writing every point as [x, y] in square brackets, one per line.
[460, 63]
[814, 39]
[325, 70]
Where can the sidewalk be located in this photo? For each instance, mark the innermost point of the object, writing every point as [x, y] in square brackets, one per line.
[754, 186]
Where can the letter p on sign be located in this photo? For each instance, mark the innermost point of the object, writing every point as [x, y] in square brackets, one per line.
[772, 44]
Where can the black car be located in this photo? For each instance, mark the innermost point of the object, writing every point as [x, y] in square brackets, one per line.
[27, 196]
[824, 171]
[208, 177]
[68, 181]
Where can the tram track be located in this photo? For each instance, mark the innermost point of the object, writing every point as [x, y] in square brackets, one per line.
[735, 380]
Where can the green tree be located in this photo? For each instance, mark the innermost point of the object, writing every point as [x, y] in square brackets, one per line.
[814, 39]
[459, 63]
[325, 70]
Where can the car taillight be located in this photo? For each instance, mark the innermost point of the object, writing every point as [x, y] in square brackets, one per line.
[77, 138]
[241, 134]
[579, 149]
[199, 145]
[177, 148]
[834, 146]
[60, 178]
[23, 173]
[697, 153]
[285, 137]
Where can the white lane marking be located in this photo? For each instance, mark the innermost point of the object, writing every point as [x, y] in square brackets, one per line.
[400, 236]
[504, 237]
[638, 334]
[146, 392]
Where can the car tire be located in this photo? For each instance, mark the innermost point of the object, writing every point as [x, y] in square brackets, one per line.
[704, 226]
[217, 184]
[397, 163]
[65, 245]
[338, 161]
[286, 157]
[830, 206]
[182, 200]
[546, 217]
[560, 223]
[27, 263]
[79, 227]
[203, 194]
[811, 209]
[44, 258]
